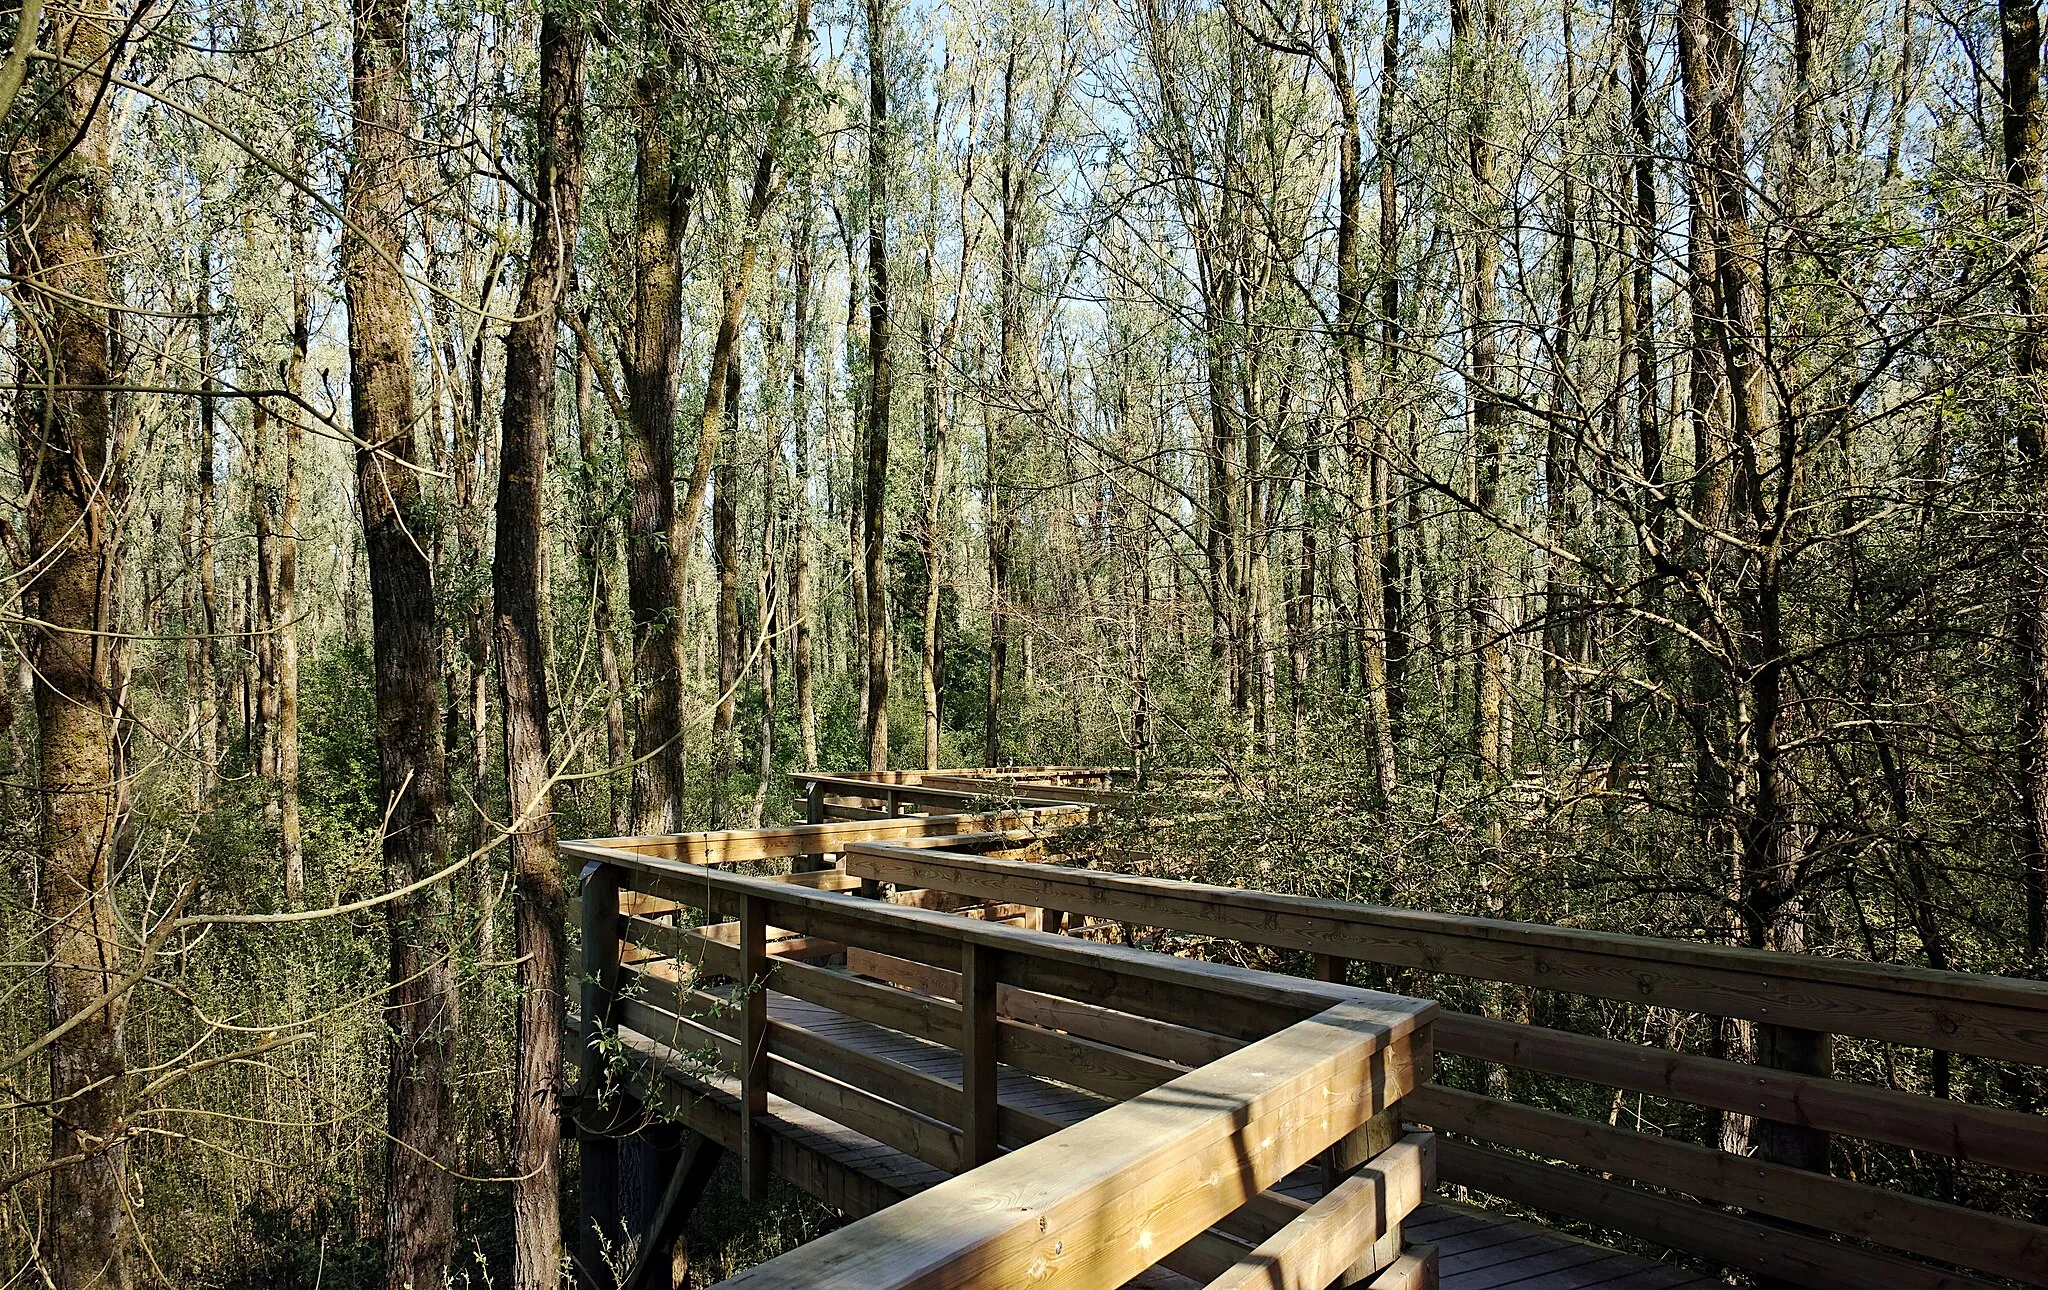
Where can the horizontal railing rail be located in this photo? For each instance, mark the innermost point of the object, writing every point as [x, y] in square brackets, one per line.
[1583, 1168]
[889, 793]
[679, 961]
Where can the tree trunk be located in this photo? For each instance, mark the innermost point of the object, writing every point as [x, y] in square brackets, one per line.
[540, 906]
[800, 491]
[726, 559]
[2020, 30]
[767, 585]
[57, 250]
[1393, 611]
[422, 1011]
[649, 358]
[594, 551]
[207, 536]
[290, 831]
[875, 489]
[1367, 512]
[1475, 37]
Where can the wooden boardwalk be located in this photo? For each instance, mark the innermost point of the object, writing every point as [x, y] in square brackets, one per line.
[944, 1049]
[1477, 1250]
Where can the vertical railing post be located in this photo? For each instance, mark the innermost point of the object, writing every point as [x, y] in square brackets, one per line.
[753, 1046]
[814, 803]
[1806, 1052]
[1357, 1149]
[599, 1149]
[978, 1100]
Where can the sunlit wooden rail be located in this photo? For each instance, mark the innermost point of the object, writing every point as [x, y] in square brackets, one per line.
[970, 1018]
[1104, 1110]
[1759, 1215]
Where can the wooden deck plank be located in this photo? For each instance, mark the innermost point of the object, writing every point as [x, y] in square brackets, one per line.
[1542, 1259]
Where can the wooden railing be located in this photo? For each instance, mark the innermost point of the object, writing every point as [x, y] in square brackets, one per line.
[1796, 1225]
[1169, 1096]
[881, 794]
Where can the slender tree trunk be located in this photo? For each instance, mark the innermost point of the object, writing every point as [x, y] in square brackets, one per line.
[934, 492]
[1366, 509]
[207, 537]
[518, 581]
[262, 641]
[1638, 327]
[290, 829]
[1000, 436]
[800, 492]
[726, 559]
[771, 613]
[1393, 612]
[1474, 36]
[594, 551]
[1560, 516]
[422, 1011]
[875, 489]
[2020, 32]
[65, 427]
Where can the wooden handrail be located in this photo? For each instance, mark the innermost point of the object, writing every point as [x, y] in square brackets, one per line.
[1996, 1017]
[1104, 1200]
[1992, 1017]
[737, 846]
[650, 980]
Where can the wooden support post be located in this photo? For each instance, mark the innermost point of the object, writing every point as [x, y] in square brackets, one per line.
[753, 1047]
[647, 1161]
[1808, 1052]
[978, 1099]
[1052, 920]
[1358, 1148]
[599, 1174]
[814, 803]
[1331, 968]
[660, 1261]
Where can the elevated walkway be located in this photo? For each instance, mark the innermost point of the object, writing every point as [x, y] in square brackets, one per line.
[917, 1019]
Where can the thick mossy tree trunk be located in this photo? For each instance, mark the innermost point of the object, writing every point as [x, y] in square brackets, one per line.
[518, 577]
[71, 463]
[650, 354]
[422, 1006]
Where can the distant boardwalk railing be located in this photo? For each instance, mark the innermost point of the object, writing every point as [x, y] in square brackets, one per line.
[1198, 1087]
[1781, 1213]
